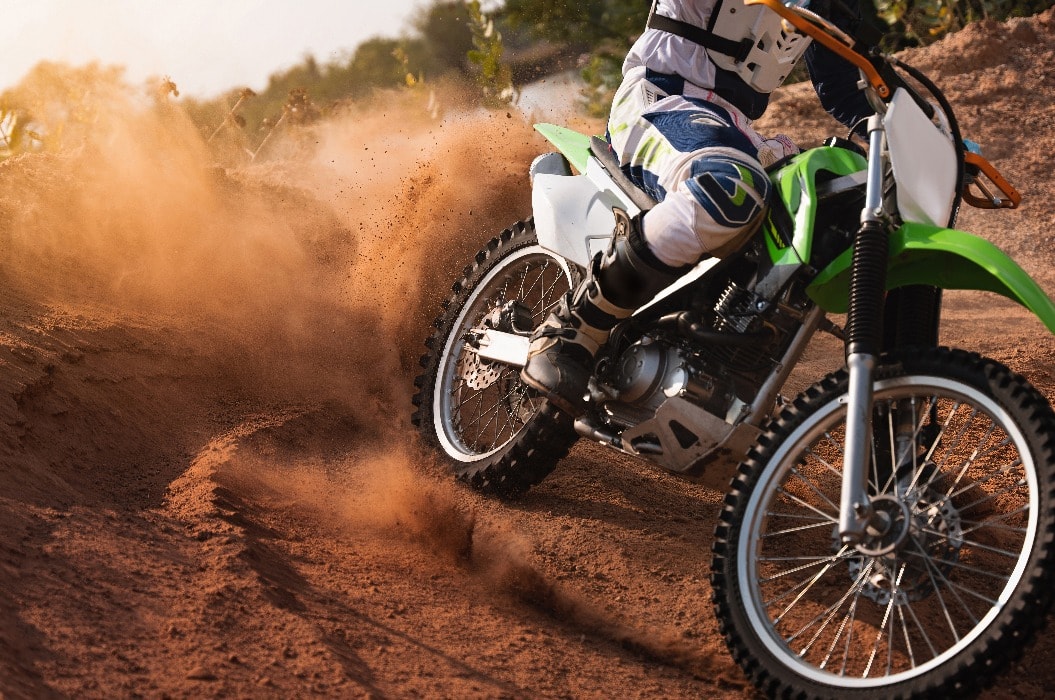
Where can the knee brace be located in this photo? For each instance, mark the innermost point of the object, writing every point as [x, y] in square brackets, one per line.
[733, 193]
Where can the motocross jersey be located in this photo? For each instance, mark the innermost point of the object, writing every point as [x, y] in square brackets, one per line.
[667, 53]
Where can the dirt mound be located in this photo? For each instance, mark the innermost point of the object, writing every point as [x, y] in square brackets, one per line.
[209, 482]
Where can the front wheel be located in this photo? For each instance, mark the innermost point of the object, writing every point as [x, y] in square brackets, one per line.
[953, 583]
[499, 436]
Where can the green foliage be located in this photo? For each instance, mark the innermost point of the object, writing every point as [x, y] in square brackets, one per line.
[381, 63]
[925, 21]
[493, 76]
[601, 75]
[587, 22]
[15, 135]
[57, 105]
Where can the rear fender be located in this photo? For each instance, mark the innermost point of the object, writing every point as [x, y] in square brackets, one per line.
[573, 213]
[574, 146]
[939, 257]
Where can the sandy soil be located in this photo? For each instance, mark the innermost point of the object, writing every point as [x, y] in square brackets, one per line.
[209, 485]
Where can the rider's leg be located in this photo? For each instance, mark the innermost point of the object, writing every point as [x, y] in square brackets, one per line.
[697, 159]
[560, 360]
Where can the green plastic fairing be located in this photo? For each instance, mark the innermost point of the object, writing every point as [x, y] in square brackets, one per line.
[574, 146]
[796, 185]
[940, 257]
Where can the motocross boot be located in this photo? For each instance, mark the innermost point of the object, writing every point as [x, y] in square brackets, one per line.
[562, 351]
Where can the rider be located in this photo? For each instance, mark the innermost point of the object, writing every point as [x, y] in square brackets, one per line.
[680, 126]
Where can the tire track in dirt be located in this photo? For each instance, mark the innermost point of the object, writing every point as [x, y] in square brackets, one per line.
[383, 502]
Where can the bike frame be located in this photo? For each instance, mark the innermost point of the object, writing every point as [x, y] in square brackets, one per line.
[916, 252]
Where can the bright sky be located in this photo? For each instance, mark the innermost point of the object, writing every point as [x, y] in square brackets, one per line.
[205, 46]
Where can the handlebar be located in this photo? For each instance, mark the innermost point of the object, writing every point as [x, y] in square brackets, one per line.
[879, 71]
[831, 37]
[976, 168]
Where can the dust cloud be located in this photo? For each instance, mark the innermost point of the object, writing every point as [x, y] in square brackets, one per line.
[307, 284]
[310, 276]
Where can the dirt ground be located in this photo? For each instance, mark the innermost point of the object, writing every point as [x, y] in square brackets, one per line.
[208, 482]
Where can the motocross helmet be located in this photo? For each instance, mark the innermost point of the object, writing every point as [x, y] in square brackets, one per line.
[775, 46]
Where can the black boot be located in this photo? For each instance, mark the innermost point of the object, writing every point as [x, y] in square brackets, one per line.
[561, 357]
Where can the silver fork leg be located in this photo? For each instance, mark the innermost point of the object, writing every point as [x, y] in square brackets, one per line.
[855, 507]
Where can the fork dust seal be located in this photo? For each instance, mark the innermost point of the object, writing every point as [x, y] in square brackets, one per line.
[864, 320]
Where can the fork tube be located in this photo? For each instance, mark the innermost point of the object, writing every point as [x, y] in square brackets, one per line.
[863, 341]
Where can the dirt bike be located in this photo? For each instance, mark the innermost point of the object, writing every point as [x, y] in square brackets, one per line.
[889, 532]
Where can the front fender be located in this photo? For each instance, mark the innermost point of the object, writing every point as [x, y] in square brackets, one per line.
[939, 257]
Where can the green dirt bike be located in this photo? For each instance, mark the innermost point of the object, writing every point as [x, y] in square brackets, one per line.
[889, 532]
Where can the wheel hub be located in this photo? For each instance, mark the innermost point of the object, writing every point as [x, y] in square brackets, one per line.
[478, 374]
[909, 540]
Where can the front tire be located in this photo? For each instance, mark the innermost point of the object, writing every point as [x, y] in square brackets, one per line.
[954, 589]
[499, 436]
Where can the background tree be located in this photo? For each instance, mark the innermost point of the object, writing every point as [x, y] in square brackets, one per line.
[915, 22]
[448, 40]
[493, 75]
[445, 29]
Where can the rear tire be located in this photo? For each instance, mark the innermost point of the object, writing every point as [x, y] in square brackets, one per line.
[950, 594]
[499, 436]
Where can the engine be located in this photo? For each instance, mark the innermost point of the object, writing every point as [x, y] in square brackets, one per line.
[651, 371]
[680, 391]
[711, 375]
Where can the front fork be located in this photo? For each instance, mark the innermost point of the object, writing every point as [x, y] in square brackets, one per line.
[863, 343]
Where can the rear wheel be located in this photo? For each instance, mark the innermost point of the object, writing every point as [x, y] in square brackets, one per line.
[498, 435]
[952, 587]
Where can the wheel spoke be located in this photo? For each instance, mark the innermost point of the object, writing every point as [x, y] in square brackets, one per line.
[847, 624]
[960, 566]
[480, 421]
[952, 446]
[973, 543]
[811, 582]
[955, 476]
[922, 629]
[831, 443]
[827, 523]
[880, 630]
[813, 562]
[989, 496]
[833, 609]
[810, 506]
[934, 573]
[810, 485]
[992, 523]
